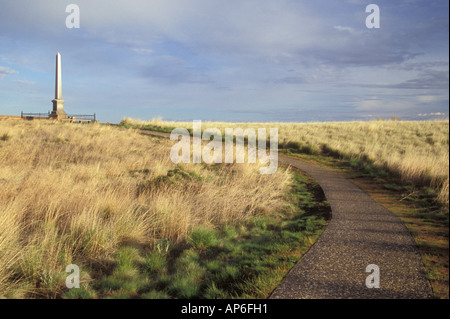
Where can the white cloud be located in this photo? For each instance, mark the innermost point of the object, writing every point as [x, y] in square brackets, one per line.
[6, 71]
[143, 51]
[347, 29]
[431, 114]
[25, 82]
[428, 98]
[382, 104]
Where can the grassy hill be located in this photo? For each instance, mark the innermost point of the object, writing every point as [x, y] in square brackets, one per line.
[110, 201]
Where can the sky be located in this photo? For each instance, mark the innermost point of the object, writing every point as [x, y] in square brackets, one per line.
[233, 60]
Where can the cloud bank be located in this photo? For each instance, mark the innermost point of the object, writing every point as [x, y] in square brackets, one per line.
[229, 60]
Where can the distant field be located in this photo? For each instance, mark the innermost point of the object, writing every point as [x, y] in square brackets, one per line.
[418, 152]
[112, 202]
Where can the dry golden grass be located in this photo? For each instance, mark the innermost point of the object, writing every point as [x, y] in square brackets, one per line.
[417, 151]
[75, 193]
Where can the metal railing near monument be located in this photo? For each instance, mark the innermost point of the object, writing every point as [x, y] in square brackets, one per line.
[70, 117]
[22, 114]
[83, 117]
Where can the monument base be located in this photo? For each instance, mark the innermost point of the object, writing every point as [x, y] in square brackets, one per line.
[58, 110]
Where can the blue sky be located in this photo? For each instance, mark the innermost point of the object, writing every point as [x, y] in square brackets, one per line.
[235, 60]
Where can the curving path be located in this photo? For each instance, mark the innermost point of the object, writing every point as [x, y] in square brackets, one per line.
[360, 233]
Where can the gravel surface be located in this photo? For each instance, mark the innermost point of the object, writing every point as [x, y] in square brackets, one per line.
[360, 233]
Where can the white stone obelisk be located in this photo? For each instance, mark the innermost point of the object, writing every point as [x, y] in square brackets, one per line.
[58, 102]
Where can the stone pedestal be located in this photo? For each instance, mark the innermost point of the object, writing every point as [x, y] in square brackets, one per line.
[58, 109]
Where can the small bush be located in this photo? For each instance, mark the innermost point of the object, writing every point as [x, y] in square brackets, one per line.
[184, 287]
[163, 245]
[212, 292]
[230, 231]
[125, 257]
[355, 162]
[228, 273]
[260, 222]
[202, 238]
[155, 262]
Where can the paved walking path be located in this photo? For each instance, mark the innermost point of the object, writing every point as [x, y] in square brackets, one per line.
[361, 232]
